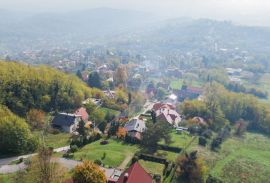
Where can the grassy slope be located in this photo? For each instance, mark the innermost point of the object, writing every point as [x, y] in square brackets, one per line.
[115, 151]
[55, 141]
[240, 159]
[114, 112]
[151, 167]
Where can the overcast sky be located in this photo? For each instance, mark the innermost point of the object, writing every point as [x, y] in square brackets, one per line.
[240, 11]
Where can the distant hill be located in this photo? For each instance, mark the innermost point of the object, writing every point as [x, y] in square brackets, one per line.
[23, 87]
[72, 26]
[201, 35]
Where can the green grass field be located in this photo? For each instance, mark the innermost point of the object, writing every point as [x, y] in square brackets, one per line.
[115, 151]
[54, 140]
[7, 178]
[114, 112]
[244, 159]
[152, 167]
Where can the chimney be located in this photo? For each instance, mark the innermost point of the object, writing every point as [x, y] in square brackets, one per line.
[125, 177]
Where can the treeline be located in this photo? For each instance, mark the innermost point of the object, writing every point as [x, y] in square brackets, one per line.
[23, 87]
[220, 76]
[15, 135]
[221, 106]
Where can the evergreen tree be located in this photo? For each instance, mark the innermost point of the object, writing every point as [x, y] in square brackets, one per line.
[94, 80]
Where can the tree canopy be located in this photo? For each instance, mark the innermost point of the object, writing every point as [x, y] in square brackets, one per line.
[15, 135]
[23, 87]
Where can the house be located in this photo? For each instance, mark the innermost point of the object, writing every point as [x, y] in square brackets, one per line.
[135, 128]
[169, 115]
[109, 93]
[188, 92]
[159, 105]
[66, 122]
[83, 113]
[135, 174]
[171, 99]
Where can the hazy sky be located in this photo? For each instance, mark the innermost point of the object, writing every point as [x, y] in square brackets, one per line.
[241, 11]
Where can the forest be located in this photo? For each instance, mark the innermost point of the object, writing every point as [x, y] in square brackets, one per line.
[23, 87]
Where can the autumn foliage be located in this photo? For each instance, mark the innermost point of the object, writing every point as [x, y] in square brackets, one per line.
[121, 133]
[88, 172]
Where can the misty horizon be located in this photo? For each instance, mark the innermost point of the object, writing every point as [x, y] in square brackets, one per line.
[240, 12]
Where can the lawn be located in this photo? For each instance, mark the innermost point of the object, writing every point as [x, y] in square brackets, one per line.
[115, 151]
[114, 112]
[240, 159]
[176, 84]
[152, 167]
[7, 178]
[55, 140]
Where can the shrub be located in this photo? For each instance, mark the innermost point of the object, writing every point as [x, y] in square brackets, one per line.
[98, 162]
[73, 148]
[88, 172]
[104, 142]
[103, 156]
[202, 141]
[68, 155]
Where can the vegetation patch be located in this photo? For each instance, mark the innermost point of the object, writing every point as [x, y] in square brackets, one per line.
[115, 152]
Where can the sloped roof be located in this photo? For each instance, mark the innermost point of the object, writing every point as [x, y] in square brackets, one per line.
[136, 174]
[158, 106]
[82, 112]
[64, 119]
[169, 115]
[135, 125]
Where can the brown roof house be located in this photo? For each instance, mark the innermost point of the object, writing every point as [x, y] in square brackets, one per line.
[167, 112]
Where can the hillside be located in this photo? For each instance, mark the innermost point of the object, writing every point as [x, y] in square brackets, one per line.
[23, 87]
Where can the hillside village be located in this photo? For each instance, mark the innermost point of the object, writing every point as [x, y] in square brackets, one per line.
[119, 96]
[130, 126]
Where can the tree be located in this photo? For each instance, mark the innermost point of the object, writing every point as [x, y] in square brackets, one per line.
[129, 98]
[36, 118]
[79, 74]
[190, 168]
[98, 116]
[160, 93]
[15, 135]
[121, 76]
[121, 133]
[154, 116]
[240, 127]
[81, 128]
[88, 172]
[94, 80]
[150, 138]
[42, 169]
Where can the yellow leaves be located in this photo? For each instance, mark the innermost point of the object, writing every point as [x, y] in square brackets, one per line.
[88, 172]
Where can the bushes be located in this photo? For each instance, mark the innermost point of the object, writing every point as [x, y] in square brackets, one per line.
[170, 148]
[16, 138]
[88, 172]
[73, 148]
[98, 162]
[104, 142]
[202, 141]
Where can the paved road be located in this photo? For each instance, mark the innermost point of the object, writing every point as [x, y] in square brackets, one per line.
[6, 161]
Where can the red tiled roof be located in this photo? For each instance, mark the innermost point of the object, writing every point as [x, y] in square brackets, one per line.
[158, 106]
[136, 174]
[82, 112]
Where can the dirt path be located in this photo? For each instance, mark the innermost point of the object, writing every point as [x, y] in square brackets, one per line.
[125, 162]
